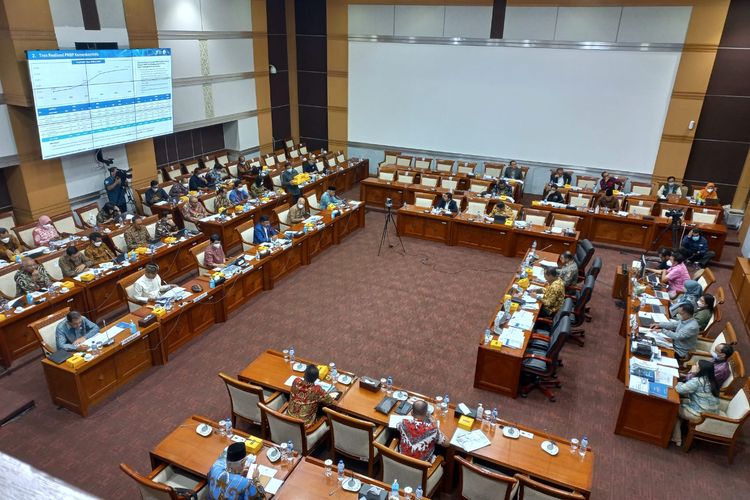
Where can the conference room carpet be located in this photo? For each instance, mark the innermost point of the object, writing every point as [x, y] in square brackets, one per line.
[416, 316]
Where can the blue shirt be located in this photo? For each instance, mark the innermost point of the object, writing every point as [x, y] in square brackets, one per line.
[116, 195]
[327, 199]
[237, 196]
[223, 485]
[65, 334]
[262, 234]
[700, 246]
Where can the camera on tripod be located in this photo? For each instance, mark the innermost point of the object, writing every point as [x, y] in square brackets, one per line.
[675, 214]
[124, 175]
[388, 203]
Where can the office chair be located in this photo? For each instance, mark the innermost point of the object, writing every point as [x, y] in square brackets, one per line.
[583, 255]
[539, 366]
[581, 299]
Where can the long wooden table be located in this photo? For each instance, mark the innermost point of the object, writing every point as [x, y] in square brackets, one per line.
[642, 416]
[77, 389]
[467, 230]
[499, 369]
[522, 455]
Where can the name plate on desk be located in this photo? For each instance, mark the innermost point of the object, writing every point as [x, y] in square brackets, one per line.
[243, 270]
[130, 338]
[200, 297]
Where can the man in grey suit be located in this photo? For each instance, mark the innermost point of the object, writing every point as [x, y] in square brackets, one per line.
[683, 330]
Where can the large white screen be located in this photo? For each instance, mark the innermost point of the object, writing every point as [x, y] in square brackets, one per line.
[89, 99]
[586, 108]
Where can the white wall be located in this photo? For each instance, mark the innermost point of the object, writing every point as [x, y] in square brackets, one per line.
[84, 177]
[68, 20]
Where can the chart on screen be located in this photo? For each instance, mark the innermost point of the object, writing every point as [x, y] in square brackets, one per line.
[90, 99]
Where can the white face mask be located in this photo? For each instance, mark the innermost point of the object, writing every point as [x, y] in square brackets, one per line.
[97, 243]
[217, 244]
[714, 355]
[5, 240]
[301, 205]
[48, 226]
[154, 189]
[710, 190]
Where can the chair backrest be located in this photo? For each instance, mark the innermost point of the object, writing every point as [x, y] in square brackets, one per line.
[642, 188]
[639, 209]
[198, 252]
[282, 214]
[536, 217]
[586, 182]
[25, 234]
[299, 168]
[406, 176]
[350, 435]
[210, 203]
[530, 489]
[466, 167]
[302, 148]
[45, 329]
[7, 281]
[581, 199]
[423, 163]
[289, 143]
[276, 180]
[87, 213]
[515, 208]
[494, 169]
[705, 216]
[269, 160]
[7, 219]
[404, 161]
[444, 166]
[736, 377]
[385, 175]
[233, 170]
[150, 490]
[565, 221]
[595, 268]
[65, 223]
[449, 184]
[584, 296]
[312, 200]
[280, 156]
[391, 157]
[223, 159]
[244, 398]
[191, 167]
[51, 264]
[479, 185]
[426, 200]
[476, 206]
[320, 165]
[478, 483]
[331, 160]
[245, 231]
[406, 469]
[294, 153]
[283, 428]
[173, 171]
[584, 253]
[429, 180]
[125, 289]
[706, 279]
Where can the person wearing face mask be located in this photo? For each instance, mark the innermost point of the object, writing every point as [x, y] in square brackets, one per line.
[238, 194]
[693, 292]
[109, 214]
[670, 188]
[676, 276]
[32, 277]
[197, 181]
[73, 262]
[177, 190]
[97, 252]
[213, 255]
[514, 171]
[298, 212]
[155, 194]
[44, 232]
[608, 182]
[216, 174]
[286, 182]
[257, 188]
[554, 196]
[308, 166]
[194, 210]
[698, 395]
[222, 200]
[704, 310]
[683, 330]
[137, 234]
[609, 201]
[165, 226]
[9, 245]
[695, 248]
[720, 358]
[243, 168]
[263, 232]
[707, 193]
[664, 262]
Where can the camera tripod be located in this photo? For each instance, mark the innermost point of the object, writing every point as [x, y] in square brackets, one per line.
[388, 221]
[675, 227]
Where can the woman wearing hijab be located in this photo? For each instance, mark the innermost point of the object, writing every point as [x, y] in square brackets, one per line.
[693, 292]
[44, 232]
[707, 193]
[704, 310]
[257, 187]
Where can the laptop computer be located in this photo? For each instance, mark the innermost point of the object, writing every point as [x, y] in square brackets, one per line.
[499, 219]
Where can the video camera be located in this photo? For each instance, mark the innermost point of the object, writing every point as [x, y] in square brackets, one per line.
[124, 175]
[388, 203]
[675, 214]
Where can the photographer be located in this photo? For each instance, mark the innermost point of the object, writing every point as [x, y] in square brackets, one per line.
[695, 248]
[115, 186]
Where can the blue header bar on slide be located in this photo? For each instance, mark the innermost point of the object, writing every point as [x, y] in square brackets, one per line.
[85, 54]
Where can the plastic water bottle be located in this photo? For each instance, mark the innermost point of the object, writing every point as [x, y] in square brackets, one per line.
[228, 426]
[18, 258]
[444, 406]
[284, 453]
[533, 247]
[507, 304]
[132, 327]
[480, 412]
[493, 422]
[211, 283]
[487, 336]
[290, 450]
[291, 355]
[152, 248]
[418, 493]
[584, 445]
[29, 298]
[389, 385]
[334, 373]
[341, 470]
[394, 489]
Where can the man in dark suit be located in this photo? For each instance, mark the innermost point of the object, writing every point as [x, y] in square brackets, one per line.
[263, 231]
[514, 171]
[560, 177]
[447, 203]
[554, 196]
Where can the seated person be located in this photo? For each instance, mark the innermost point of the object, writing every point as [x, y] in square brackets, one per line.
[257, 188]
[670, 188]
[676, 276]
[177, 190]
[704, 309]
[238, 195]
[298, 212]
[137, 235]
[243, 167]
[9, 245]
[73, 262]
[194, 210]
[330, 197]
[609, 201]
[559, 178]
[263, 232]
[693, 292]
[222, 200]
[513, 171]
[698, 395]
[97, 252]
[227, 478]
[44, 232]
[695, 248]
[213, 255]
[720, 359]
[568, 269]
[665, 262]
[198, 181]
[707, 193]
[305, 396]
[287, 178]
[419, 436]
[71, 333]
[165, 226]
[608, 182]
[31, 277]
[155, 194]
[448, 203]
[109, 214]
[216, 174]
[501, 209]
[554, 293]
[308, 166]
[149, 287]
[554, 196]
[499, 188]
[683, 330]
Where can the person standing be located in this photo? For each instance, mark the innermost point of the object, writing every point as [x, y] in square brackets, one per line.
[116, 189]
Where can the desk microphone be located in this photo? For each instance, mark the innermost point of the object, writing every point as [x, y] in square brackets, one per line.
[545, 248]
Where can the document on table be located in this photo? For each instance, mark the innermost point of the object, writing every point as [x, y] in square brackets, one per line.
[538, 273]
[661, 377]
[639, 384]
[470, 441]
[522, 319]
[547, 263]
[273, 486]
[670, 362]
[291, 380]
[512, 337]
[176, 293]
[651, 301]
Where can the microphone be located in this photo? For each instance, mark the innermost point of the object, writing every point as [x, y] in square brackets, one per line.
[545, 248]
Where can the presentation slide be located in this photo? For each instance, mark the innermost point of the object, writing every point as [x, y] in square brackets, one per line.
[90, 99]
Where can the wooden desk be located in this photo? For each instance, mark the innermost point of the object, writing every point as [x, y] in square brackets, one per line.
[499, 370]
[643, 417]
[620, 284]
[737, 280]
[187, 450]
[415, 222]
[77, 389]
[373, 192]
[17, 339]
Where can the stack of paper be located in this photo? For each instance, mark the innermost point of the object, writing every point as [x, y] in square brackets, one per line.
[470, 441]
[512, 337]
[538, 273]
[522, 319]
[547, 263]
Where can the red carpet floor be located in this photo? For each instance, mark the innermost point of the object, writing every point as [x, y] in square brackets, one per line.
[416, 317]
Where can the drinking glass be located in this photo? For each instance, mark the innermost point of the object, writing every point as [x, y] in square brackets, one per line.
[573, 445]
[286, 355]
[222, 428]
[329, 467]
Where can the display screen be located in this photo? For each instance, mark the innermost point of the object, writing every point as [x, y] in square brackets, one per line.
[90, 99]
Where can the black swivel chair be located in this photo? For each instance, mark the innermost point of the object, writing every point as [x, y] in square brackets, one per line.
[581, 299]
[539, 366]
[583, 255]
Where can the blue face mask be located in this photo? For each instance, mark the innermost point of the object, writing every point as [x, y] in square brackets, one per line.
[696, 238]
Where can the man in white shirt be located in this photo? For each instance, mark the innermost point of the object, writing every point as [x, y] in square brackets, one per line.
[149, 286]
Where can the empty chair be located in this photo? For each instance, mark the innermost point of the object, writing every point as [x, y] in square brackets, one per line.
[293, 154]
[404, 161]
[276, 180]
[583, 200]
[539, 366]
[354, 438]
[126, 290]
[233, 170]
[283, 428]
[387, 175]
[479, 186]
[7, 219]
[289, 143]
[191, 167]
[390, 158]
[640, 207]
[494, 169]
[544, 327]
[586, 182]
[173, 172]
[705, 345]
[423, 163]
[197, 252]
[302, 149]
[581, 299]
[536, 217]
[565, 221]
[282, 216]
[479, 483]
[641, 188]
[429, 180]
[320, 166]
[52, 266]
[449, 183]
[410, 470]
[118, 240]
[583, 255]
[530, 489]
[406, 176]
[245, 230]
[210, 203]
[425, 200]
[444, 166]
[476, 206]
[162, 482]
[466, 167]
[705, 278]
[245, 397]
[8, 282]
[705, 216]
[87, 214]
[269, 161]
[280, 156]
[312, 202]
[65, 223]
[223, 159]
